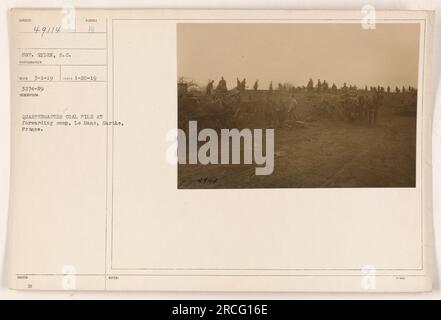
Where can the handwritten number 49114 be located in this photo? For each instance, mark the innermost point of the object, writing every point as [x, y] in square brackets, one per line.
[43, 30]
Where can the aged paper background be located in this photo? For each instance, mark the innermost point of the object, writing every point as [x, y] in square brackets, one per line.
[170, 172]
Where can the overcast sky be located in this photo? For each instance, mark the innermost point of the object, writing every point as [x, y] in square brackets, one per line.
[291, 52]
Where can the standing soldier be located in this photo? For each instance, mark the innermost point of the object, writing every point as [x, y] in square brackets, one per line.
[377, 102]
[344, 88]
[362, 107]
[222, 86]
[344, 101]
[268, 111]
[372, 109]
[209, 87]
[291, 109]
[280, 108]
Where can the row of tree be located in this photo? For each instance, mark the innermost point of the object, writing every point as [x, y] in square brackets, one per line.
[324, 86]
[319, 86]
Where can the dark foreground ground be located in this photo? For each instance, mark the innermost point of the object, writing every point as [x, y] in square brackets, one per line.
[327, 152]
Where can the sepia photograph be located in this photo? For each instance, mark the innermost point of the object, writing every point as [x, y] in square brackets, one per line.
[280, 152]
[297, 105]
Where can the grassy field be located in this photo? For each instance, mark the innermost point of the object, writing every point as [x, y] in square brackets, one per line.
[327, 151]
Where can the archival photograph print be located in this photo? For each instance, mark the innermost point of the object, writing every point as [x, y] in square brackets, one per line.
[297, 105]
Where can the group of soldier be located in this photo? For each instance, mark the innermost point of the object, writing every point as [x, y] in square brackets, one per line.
[221, 87]
[279, 107]
[359, 105]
